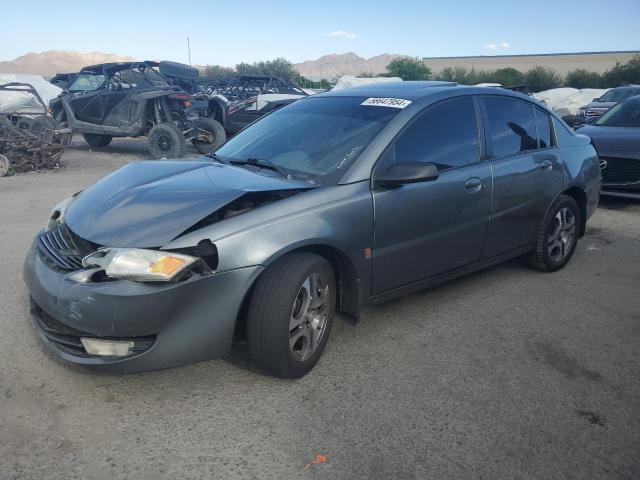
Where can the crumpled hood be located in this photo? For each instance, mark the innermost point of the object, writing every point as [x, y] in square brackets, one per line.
[623, 142]
[148, 204]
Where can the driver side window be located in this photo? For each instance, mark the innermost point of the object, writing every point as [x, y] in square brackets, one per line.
[445, 134]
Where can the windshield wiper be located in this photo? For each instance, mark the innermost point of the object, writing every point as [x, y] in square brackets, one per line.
[264, 163]
[218, 159]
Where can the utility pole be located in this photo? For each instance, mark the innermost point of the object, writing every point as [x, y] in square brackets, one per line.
[189, 50]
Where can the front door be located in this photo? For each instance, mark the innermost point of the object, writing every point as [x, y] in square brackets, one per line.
[423, 229]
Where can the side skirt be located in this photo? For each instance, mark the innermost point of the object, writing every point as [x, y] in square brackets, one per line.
[444, 277]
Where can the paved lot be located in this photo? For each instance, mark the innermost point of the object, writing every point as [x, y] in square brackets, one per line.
[507, 373]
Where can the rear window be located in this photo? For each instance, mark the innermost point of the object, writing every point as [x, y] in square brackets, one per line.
[512, 127]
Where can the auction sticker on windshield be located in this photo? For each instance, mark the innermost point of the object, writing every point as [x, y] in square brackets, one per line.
[387, 102]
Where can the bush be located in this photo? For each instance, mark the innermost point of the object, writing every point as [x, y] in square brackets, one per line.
[408, 68]
[507, 76]
[218, 71]
[581, 78]
[280, 67]
[623, 74]
[542, 78]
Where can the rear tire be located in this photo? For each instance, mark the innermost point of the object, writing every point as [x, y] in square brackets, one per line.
[291, 313]
[215, 131]
[96, 140]
[557, 236]
[166, 141]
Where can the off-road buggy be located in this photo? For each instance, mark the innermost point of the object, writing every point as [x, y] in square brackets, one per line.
[132, 99]
[29, 138]
[238, 101]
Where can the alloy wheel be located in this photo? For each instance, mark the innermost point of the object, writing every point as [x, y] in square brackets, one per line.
[309, 316]
[562, 235]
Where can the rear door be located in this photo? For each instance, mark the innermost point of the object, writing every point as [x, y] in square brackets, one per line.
[527, 171]
[423, 229]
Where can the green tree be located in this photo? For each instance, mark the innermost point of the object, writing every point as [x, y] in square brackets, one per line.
[542, 78]
[218, 71]
[581, 78]
[408, 68]
[623, 73]
[280, 67]
[507, 76]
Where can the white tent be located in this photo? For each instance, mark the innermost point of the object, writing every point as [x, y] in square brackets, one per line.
[348, 81]
[567, 101]
[22, 101]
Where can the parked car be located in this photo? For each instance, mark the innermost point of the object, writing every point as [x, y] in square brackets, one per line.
[131, 99]
[590, 113]
[338, 200]
[616, 136]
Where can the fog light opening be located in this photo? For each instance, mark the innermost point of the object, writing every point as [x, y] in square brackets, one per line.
[106, 348]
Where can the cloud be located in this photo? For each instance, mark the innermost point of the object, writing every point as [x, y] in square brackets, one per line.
[340, 34]
[494, 46]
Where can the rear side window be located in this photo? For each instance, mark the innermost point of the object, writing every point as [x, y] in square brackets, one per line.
[445, 134]
[563, 134]
[511, 126]
[544, 128]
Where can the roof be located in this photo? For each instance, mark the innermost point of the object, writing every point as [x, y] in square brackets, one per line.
[407, 90]
[115, 66]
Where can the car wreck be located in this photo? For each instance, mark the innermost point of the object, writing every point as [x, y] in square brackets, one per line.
[316, 208]
[29, 138]
[132, 99]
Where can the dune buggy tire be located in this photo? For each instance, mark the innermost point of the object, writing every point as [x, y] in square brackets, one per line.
[166, 141]
[213, 127]
[557, 236]
[290, 314]
[97, 140]
[24, 123]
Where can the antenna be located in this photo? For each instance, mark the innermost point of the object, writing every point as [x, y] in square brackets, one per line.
[189, 50]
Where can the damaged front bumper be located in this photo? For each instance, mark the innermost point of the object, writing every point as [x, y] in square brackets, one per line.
[169, 324]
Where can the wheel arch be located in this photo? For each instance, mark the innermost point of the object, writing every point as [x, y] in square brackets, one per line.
[349, 297]
[580, 196]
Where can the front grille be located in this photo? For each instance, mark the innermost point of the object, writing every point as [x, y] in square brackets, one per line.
[621, 170]
[67, 339]
[62, 249]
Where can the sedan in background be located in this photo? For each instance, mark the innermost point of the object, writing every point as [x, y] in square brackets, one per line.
[590, 113]
[616, 136]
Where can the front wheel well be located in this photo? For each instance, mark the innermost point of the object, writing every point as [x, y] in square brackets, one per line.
[348, 300]
[579, 195]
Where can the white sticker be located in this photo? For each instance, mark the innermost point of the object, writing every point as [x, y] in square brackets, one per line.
[387, 102]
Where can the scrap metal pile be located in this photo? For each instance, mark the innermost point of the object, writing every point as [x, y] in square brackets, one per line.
[29, 139]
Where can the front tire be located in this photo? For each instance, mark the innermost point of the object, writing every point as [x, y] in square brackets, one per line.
[96, 140]
[166, 141]
[291, 313]
[557, 236]
[209, 136]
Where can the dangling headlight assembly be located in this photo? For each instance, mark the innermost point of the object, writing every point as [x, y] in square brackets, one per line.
[139, 264]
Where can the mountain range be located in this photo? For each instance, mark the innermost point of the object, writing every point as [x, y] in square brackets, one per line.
[57, 61]
[60, 61]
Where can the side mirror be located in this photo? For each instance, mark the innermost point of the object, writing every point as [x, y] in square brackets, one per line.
[407, 172]
[596, 100]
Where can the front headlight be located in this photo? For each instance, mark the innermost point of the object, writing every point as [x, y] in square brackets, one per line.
[139, 264]
[56, 217]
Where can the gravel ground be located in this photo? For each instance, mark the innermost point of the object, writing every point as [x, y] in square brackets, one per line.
[506, 373]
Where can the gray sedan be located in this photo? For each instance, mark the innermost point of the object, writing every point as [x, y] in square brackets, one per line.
[335, 201]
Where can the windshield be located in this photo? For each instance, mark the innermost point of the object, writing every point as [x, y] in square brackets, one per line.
[625, 114]
[86, 82]
[315, 139]
[619, 94]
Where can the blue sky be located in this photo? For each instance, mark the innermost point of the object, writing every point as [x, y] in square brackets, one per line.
[228, 32]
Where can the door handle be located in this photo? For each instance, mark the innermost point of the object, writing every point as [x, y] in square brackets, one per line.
[546, 165]
[473, 185]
